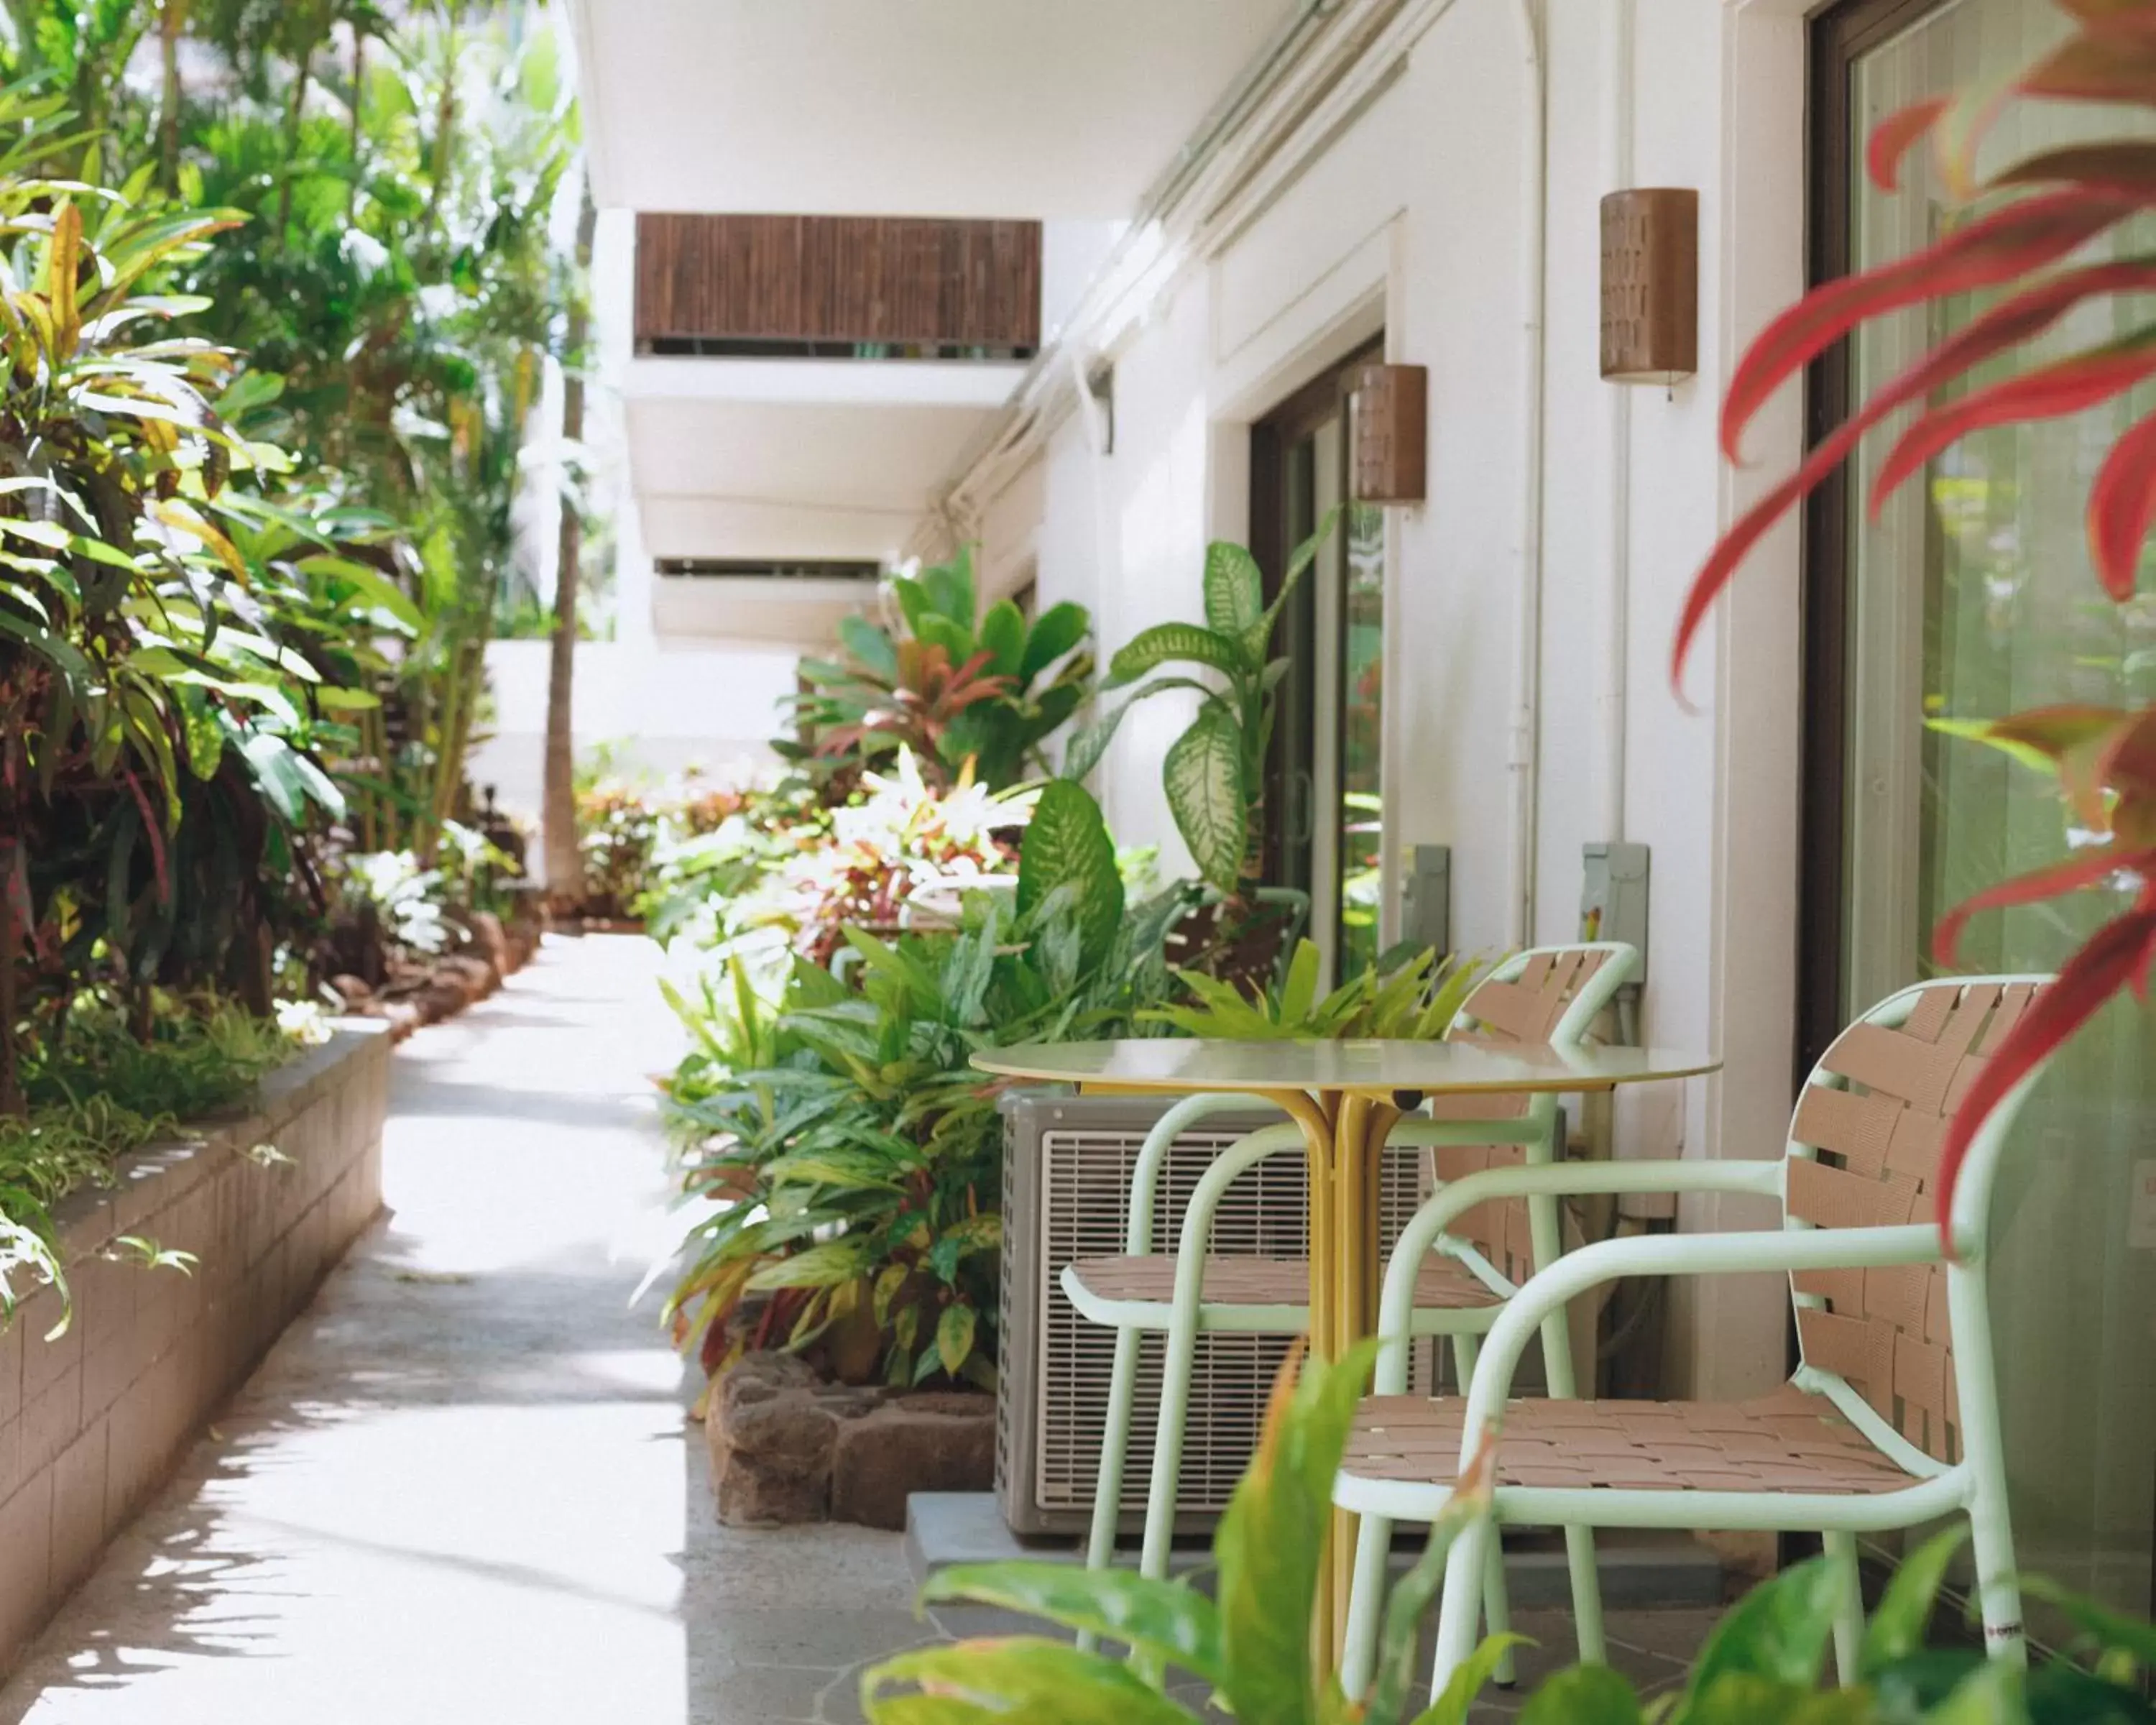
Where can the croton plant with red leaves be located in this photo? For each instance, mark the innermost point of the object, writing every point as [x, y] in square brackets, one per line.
[2030, 222]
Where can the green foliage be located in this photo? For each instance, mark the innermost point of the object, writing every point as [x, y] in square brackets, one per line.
[260, 432]
[1761, 1667]
[957, 685]
[696, 880]
[1251, 1642]
[1214, 772]
[1416, 999]
[625, 829]
[855, 1152]
[202, 1056]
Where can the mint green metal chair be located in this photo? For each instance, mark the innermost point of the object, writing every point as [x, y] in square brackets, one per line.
[1549, 995]
[1890, 1421]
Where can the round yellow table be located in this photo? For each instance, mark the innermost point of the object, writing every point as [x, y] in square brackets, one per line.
[1345, 1096]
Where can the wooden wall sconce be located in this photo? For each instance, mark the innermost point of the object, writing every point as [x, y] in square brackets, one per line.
[1390, 410]
[1650, 285]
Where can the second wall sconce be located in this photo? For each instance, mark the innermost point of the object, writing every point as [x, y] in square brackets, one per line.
[1390, 405]
[1650, 285]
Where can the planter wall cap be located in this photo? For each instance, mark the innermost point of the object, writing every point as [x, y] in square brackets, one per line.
[147, 1180]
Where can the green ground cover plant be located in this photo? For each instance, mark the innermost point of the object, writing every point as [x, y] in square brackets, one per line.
[97, 1092]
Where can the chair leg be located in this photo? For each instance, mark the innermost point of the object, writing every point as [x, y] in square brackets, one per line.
[1497, 1610]
[1365, 1604]
[1114, 1449]
[1991, 1545]
[1999, 1595]
[1466, 1575]
[1586, 1595]
[1849, 1607]
[1167, 1449]
[1496, 1607]
[1547, 1225]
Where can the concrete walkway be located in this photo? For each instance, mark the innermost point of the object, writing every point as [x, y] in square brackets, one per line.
[461, 1489]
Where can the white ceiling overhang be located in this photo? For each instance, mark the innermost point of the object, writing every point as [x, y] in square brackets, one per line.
[807, 459]
[1010, 109]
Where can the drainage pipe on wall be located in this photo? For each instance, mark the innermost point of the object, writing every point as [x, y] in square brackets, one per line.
[1615, 620]
[1534, 190]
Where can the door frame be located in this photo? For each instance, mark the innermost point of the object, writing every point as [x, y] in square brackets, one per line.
[1837, 38]
[1273, 434]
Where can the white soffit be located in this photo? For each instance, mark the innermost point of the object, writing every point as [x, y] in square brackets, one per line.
[701, 609]
[1042, 109]
[798, 454]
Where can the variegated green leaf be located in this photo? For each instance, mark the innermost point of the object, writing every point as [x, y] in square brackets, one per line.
[1170, 643]
[1235, 590]
[1203, 774]
[1067, 846]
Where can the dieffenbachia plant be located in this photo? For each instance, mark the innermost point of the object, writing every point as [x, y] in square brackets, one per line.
[2033, 218]
[1215, 772]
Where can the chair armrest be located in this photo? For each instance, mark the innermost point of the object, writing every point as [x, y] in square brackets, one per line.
[1559, 1179]
[1786, 1250]
[1413, 1132]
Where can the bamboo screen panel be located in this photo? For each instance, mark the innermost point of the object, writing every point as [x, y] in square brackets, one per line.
[837, 279]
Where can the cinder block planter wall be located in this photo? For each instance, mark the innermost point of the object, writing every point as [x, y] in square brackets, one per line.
[91, 1423]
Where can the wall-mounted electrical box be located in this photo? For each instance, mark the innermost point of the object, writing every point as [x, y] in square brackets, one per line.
[1426, 901]
[1612, 901]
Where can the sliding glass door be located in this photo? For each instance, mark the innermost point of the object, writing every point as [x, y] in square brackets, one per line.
[1324, 815]
[1970, 597]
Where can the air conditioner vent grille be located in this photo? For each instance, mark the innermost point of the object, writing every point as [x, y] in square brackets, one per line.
[1084, 1180]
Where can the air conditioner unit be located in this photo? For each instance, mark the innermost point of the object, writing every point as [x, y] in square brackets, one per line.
[1067, 1164]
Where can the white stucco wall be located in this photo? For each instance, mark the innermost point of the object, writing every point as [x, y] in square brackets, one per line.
[662, 712]
[1411, 218]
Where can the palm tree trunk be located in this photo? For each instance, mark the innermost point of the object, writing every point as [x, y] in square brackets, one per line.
[564, 856]
[11, 1074]
[294, 114]
[358, 83]
[172, 22]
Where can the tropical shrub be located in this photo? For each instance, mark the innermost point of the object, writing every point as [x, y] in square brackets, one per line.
[1215, 772]
[403, 286]
[624, 828]
[391, 911]
[697, 880]
[905, 836]
[2022, 242]
[1762, 1666]
[618, 830]
[214, 651]
[851, 1151]
[966, 691]
[141, 679]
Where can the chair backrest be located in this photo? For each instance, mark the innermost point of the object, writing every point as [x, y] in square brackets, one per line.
[1544, 997]
[1863, 1152]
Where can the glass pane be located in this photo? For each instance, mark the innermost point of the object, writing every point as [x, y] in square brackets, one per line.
[1362, 731]
[1972, 596]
